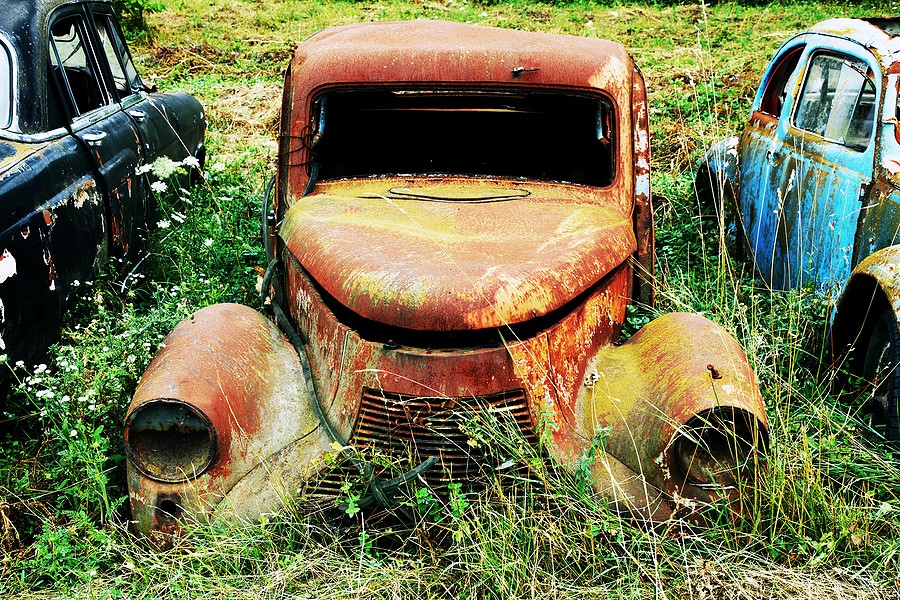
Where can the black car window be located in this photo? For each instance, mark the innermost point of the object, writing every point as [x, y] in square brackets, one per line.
[72, 70]
[125, 77]
[838, 100]
[6, 86]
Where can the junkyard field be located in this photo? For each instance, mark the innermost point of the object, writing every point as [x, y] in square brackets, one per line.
[824, 519]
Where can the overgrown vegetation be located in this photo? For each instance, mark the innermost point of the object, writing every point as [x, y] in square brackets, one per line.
[825, 522]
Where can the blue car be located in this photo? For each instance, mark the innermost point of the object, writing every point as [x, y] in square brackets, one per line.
[812, 188]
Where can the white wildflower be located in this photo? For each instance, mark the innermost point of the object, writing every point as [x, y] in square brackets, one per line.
[164, 167]
[73, 433]
[208, 242]
[217, 166]
[143, 169]
[164, 224]
[191, 161]
[159, 186]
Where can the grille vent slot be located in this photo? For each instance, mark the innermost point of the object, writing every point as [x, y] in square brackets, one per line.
[405, 430]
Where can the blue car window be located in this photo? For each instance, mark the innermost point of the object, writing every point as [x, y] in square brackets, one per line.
[838, 101]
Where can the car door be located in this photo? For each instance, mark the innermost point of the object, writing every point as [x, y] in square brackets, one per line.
[761, 149]
[157, 116]
[819, 163]
[830, 141]
[81, 76]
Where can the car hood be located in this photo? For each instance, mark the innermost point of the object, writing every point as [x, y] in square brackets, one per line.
[443, 259]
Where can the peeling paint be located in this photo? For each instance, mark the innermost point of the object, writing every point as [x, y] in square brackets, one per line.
[7, 265]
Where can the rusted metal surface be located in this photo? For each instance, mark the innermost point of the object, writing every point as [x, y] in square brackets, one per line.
[238, 381]
[643, 198]
[445, 55]
[652, 393]
[69, 186]
[445, 266]
[874, 287]
[427, 302]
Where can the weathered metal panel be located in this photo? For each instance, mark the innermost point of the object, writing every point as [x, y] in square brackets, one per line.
[643, 198]
[446, 55]
[52, 238]
[454, 265]
[231, 365]
[800, 194]
[650, 388]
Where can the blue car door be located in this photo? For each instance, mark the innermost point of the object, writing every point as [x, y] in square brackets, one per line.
[762, 155]
[816, 170]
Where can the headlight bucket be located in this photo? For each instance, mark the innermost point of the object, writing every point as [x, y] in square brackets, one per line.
[169, 440]
[719, 447]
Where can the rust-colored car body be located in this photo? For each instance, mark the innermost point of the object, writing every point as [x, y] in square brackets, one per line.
[462, 217]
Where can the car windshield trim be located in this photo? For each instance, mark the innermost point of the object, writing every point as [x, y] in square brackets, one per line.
[7, 83]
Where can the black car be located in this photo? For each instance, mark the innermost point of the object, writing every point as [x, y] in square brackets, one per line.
[77, 129]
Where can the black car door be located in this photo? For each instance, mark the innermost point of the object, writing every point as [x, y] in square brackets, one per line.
[106, 131]
[156, 116]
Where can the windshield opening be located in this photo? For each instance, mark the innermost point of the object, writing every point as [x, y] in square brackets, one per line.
[538, 135]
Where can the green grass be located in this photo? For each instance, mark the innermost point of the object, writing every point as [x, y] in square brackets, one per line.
[825, 522]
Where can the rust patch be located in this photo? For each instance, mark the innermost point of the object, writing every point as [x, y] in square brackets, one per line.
[447, 266]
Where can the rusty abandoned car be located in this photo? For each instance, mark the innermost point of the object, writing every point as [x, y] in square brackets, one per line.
[76, 122]
[460, 221]
[813, 188]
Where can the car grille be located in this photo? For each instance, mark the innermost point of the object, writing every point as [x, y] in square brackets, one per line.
[396, 432]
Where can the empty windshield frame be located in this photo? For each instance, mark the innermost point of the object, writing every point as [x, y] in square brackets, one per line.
[543, 135]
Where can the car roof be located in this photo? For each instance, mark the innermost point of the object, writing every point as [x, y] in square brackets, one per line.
[448, 52]
[880, 36]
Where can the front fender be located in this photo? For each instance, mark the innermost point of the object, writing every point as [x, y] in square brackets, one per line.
[680, 400]
[722, 161]
[221, 403]
[873, 287]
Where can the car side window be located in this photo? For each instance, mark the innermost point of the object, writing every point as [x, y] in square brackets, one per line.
[838, 101]
[125, 77]
[777, 88]
[72, 71]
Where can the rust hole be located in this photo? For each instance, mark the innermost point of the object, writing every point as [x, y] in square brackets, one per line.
[169, 441]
